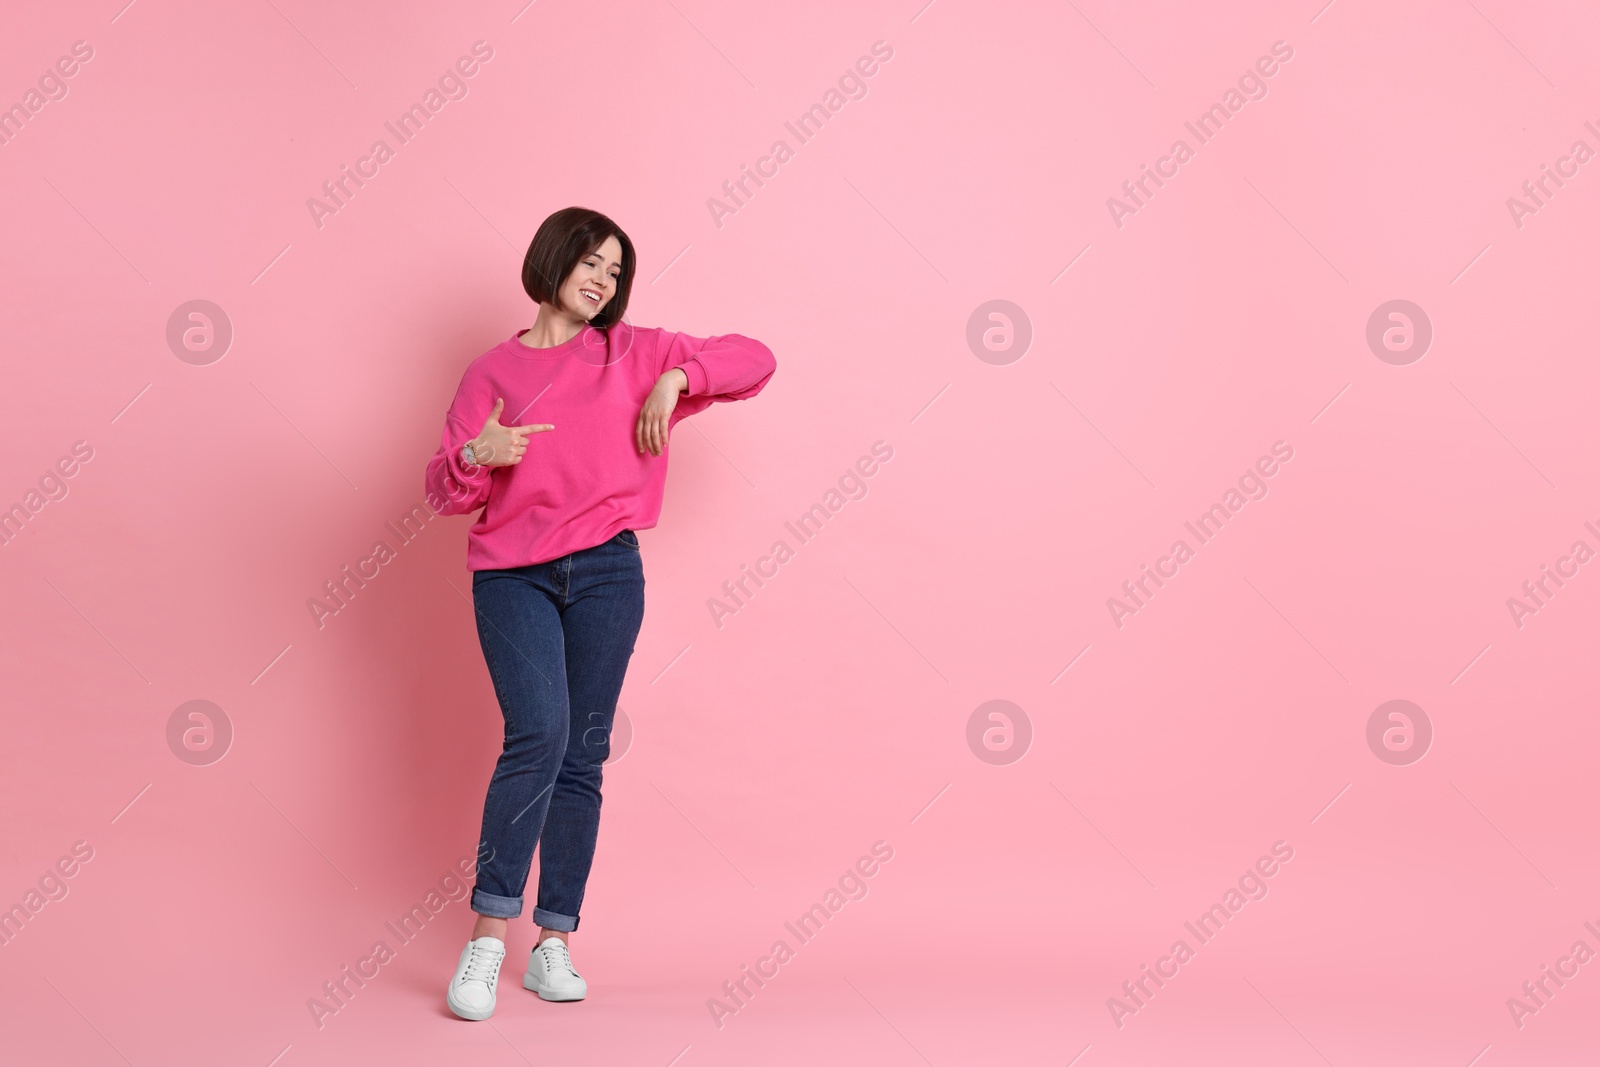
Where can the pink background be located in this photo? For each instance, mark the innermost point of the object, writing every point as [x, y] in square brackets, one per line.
[1230, 713]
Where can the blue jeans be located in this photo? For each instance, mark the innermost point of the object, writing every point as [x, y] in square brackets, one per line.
[557, 637]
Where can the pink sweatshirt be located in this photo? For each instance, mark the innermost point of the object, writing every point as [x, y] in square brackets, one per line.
[581, 483]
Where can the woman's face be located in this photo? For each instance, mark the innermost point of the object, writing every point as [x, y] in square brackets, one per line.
[593, 281]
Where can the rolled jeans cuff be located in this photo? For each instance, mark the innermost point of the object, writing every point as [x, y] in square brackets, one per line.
[496, 907]
[549, 920]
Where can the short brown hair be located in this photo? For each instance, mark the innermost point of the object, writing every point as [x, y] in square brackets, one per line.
[563, 240]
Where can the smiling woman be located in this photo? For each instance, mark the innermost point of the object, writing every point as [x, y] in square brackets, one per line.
[558, 581]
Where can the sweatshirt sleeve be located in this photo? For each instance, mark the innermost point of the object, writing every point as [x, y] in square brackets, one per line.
[451, 486]
[726, 367]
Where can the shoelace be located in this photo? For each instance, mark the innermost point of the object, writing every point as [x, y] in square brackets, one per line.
[483, 965]
[557, 953]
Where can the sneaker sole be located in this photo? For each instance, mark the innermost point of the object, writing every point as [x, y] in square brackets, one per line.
[472, 1014]
[530, 982]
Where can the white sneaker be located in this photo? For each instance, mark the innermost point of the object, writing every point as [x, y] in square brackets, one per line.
[550, 972]
[471, 992]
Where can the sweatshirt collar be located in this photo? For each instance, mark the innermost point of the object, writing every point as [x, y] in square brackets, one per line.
[555, 352]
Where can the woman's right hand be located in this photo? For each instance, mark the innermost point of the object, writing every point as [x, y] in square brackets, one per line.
[503, 446]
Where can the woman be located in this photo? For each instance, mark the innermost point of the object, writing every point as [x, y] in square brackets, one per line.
[559, 434]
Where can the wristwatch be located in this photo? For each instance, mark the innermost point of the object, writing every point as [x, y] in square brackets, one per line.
[469, 457]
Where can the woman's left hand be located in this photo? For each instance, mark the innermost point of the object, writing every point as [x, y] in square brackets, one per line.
[651, 431]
